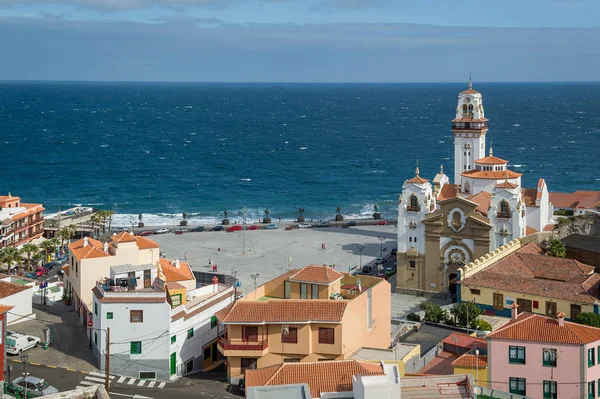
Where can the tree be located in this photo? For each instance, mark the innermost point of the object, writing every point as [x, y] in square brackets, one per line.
[413, 317]
[483, 325]
[102, 216]
[29, 250]
[109, 214]
[433, 312]
[10, 256]
[65, 234]
[588, 318]
[96, 219]
[466, 314]
[47, 246]
[37, 258]
[556, 248]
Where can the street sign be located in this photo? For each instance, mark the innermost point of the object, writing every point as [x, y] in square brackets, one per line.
[43, 284]
[237, 284]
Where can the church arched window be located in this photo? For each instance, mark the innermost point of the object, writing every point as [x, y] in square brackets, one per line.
[470, 108]
[504, 209]
[467, 187]
[465, 108]
[456, 220]
[414, 203]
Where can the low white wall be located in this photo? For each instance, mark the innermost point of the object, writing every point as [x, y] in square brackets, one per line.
[22, 309]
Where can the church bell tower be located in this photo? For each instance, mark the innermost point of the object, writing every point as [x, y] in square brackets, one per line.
[469, 128]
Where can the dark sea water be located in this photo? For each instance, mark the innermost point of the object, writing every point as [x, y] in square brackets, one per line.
[162, 149]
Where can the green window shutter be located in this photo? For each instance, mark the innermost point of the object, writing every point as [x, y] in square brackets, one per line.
[190, 333]
[109, 315]
[213, 321]
[135, 347]
[174, 339]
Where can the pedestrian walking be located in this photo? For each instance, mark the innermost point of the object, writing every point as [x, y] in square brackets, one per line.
[185, 256]
[218, 250]
[214, 268]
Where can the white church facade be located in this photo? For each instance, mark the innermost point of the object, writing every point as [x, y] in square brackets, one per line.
[444, 225]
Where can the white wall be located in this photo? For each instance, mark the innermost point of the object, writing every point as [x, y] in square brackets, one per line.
[22, 302]
[423, 192]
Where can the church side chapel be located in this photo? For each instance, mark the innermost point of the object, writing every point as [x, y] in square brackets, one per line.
[443, 225]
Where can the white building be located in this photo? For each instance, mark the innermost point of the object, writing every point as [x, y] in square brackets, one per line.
[159, 331]
[442, 226]
[19, 296]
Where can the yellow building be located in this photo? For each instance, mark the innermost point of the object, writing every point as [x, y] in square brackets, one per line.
[523, 274]
[477, 366]
[307, 315]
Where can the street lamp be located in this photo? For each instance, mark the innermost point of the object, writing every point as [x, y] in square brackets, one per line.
[476, 369]
[24, 359]
[360, 251]
[254, 277]
[381, 239]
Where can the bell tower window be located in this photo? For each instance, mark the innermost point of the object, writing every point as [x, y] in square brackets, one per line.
[413, 204]
[470, 108]
[504, 210]
[465, 109]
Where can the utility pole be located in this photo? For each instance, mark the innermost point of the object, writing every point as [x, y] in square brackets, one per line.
[381, 239]
[107, 366]
[360, 251]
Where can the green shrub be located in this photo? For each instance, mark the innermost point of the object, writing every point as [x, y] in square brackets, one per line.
[413, 317]
[433, 312]
[556, 248]
[483, 325]
[588, 318]
[466, 313]
[563, 212]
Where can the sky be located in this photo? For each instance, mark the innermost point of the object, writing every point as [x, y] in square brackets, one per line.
[300, 40]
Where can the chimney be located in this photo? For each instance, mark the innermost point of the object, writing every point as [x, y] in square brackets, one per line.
[177, 265]
[106, 247]
[561, 319]
[215, 282]
[85, 241]
[359, 285]
[514, 313]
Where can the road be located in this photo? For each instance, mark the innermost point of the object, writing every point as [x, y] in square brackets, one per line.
[187, 387]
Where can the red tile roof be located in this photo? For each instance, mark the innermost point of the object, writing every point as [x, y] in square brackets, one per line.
[469, 119]
[123, 236]
[417, 180]
[483, 174]
[172, 273]
[447, 191]
[470, 91]
[471, 361]
[7, 289]
[146, 243]
[316, 274]
[441, 364]
[463, 340]
[549, 227]
[5, 308]
[529, 196]
[482, 200]
[578, 199]
[321, 377]
[537, 328]
[530, 230]
[491, 160]
[527, 271]
[506, 184]
[93, 249]
[288, 311]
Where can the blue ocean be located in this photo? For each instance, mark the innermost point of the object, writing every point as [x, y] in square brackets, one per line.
[162, 149]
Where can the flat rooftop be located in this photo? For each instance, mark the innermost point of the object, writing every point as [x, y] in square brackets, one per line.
[396, 353]
[580, 241]
[120, 269]
[427, 336]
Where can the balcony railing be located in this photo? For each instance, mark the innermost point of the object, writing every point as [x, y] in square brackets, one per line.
[469, 125]
[242, 345]
[413, 208]
[503, 215]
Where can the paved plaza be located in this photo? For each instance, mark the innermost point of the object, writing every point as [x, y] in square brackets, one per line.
[271, 252]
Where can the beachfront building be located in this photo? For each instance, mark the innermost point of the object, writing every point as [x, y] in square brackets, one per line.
[80, 217]
[161, 325]
[306, 315]
[523, 274]
[20, 222]
[544, 357]
[90, 261]
[443, 226]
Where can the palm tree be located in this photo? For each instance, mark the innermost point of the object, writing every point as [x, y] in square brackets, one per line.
[47, 246]
[102, 215]
[37, 258]
[301, 215]
[184, 221]
[10, 256]
[140, 223]
[65, 235]
[29, 250]
[96, 219]
[109, 214]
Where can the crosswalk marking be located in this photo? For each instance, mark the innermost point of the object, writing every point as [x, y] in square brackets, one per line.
[131, 381]
[95, 379]
[87, 383]
[141, 383]
[101, 375]
[151, 384]
[162, 385]
[120, 380]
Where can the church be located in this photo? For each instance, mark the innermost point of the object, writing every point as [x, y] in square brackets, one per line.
[443, 225]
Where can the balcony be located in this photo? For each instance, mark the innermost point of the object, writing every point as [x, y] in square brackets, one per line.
[413, 208]
[229, 347]
[469, 125]
[503, 215]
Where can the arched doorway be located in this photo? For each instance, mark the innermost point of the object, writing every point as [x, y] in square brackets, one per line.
[452, 287]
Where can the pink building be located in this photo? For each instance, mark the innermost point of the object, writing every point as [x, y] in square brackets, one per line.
[544, 357]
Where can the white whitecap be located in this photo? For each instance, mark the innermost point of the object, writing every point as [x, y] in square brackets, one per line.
[303, 148]
[104, 145]
[246, 179]
[516, 125]
[517, 165]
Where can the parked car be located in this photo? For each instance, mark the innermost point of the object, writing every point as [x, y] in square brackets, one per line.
[389, 271]
[162, 230]
[218, 228]
[394, 251]
[253, 227]
[145, 233]
[367, 269]
[351, 223]
[324, 224]
[40, 271]
[304, 225]
[17, 343]
[271, 226]
[50, 265]
[381, 223]
[119, 229]
[35, 386]
[60, 273]
[237, 227]
[198, 229]
[181, 230]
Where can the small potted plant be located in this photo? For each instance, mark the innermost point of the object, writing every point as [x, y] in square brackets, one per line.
[225, 220]
[338, 216]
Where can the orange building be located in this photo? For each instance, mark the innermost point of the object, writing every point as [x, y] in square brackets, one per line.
[306, 315]
[21, 223]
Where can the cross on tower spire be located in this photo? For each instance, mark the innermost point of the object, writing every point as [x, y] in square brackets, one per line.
[491, 151]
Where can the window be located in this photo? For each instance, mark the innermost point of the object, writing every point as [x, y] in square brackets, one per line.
[286, 289]
[190, 333]
[291, 360]
[174, 339]
[549, 389]
[498, 301]
[250, 333]
[135, 347]
[412, 264]
[475, 291]
[549, 357]
[575, 311]
[314, 290]
[591, 390]
[109, 315]
[470, 108]
[303, 291]
[291, 337]
[516, 354]
[136, 316]
[213, 321]
[96, 338]
[415, 239]
[414, 203]
[207, 352]
[96, 308]
[591, 357]
[504, 209]
[550, 308]
[147, 375]
[175, 300]
[465, 108]
[456, 220]
[248, 363]
[409, 239]
[517, 385]
[326, 336]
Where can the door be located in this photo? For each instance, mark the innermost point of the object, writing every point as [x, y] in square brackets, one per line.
[524, 305]
[189, 366]
[498, 301]
[173, 363]
[250, 333]
[147, 278]
[575, 310]
[550, 308]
